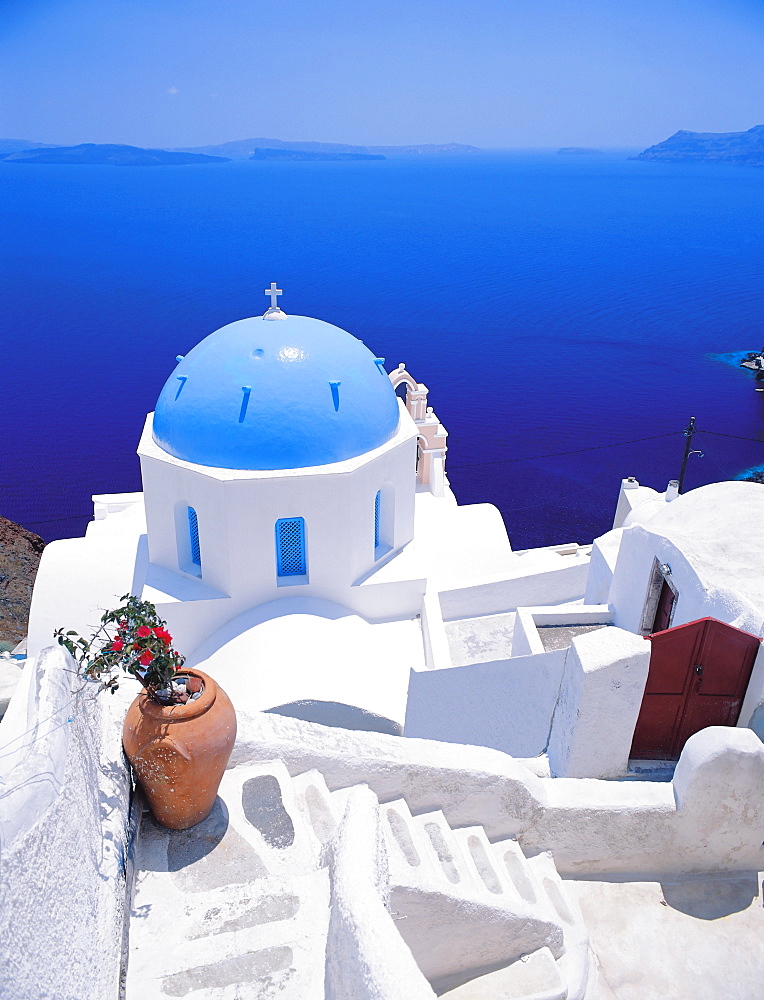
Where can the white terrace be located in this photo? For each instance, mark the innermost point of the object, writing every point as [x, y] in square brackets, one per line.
[460, 769]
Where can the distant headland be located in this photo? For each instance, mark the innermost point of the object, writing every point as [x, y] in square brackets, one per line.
[100, 154]
[305, 154]
[243, 149]
[742, 148]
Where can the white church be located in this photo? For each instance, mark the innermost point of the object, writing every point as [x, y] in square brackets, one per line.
[452, 756]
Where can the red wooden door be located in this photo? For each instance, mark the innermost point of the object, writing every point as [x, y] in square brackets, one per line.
[698, 677]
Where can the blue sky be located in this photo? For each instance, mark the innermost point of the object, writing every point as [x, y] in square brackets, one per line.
[522, 73]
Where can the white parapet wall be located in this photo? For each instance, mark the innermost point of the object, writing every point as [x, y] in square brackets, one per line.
[600, 697]
[63, 837]
[558, 579]
[508, 704]
[526, 638]
[504, 704]
[710, 818]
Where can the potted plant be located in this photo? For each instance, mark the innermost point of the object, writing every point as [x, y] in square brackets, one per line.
[179, 732]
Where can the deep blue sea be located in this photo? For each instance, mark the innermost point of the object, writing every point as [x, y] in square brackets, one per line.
[551, 304]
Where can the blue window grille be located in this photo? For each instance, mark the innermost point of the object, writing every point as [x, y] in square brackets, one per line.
[377, 507]
[193, 531]
[290, 546]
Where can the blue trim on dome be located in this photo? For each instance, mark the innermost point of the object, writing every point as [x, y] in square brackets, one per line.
[275, 394]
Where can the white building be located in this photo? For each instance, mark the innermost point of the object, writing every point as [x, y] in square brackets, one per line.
[295, 512]
[297, 530]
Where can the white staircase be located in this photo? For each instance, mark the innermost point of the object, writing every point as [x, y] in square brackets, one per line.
[239, 905]
[463, 905]
[235, 907]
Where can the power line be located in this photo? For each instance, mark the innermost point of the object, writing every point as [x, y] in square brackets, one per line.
[457, 467]
[738, 437]
[557, 454]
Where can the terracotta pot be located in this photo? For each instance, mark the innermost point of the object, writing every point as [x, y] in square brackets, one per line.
[179, 752]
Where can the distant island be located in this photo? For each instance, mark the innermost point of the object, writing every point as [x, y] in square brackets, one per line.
[8, 146]
[242, 149]
[119, 155]
[111, 155]
[742, 148]
[578, 151]
[304, 154]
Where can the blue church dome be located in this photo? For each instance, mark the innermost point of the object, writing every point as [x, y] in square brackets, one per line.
[276, 392]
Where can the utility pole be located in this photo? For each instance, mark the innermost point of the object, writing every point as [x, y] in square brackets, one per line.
[688, 432]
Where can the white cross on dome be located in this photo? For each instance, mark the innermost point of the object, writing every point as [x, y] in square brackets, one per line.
[274, 293]
[274, 311]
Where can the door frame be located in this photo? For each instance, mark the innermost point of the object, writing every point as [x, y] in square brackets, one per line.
[660, 574]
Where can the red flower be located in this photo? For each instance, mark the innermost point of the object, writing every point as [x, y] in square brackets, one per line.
[163, 634]
[123, 623]
[117, 646]
[143, 632]
[146, 657]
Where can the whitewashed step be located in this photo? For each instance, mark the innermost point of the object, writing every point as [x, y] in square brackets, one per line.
[511, 860]
[410, 861]
[444, 851]
[318, 809]
[263, 806]
[547, 877]
[230, 943]
[532, 977]
[487, 875]
[235, 906]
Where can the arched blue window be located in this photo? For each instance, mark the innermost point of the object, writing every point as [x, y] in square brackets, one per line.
[377, 509]
[193, 532]
[290, 546]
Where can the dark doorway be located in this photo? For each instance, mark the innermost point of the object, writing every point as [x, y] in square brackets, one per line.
[698, 677]
[664, 609]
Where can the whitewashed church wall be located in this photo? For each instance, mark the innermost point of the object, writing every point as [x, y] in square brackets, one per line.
[554, 586]
[237, 514]
[503, 704]
[600, 698]
[63, 836]
[709, 819]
